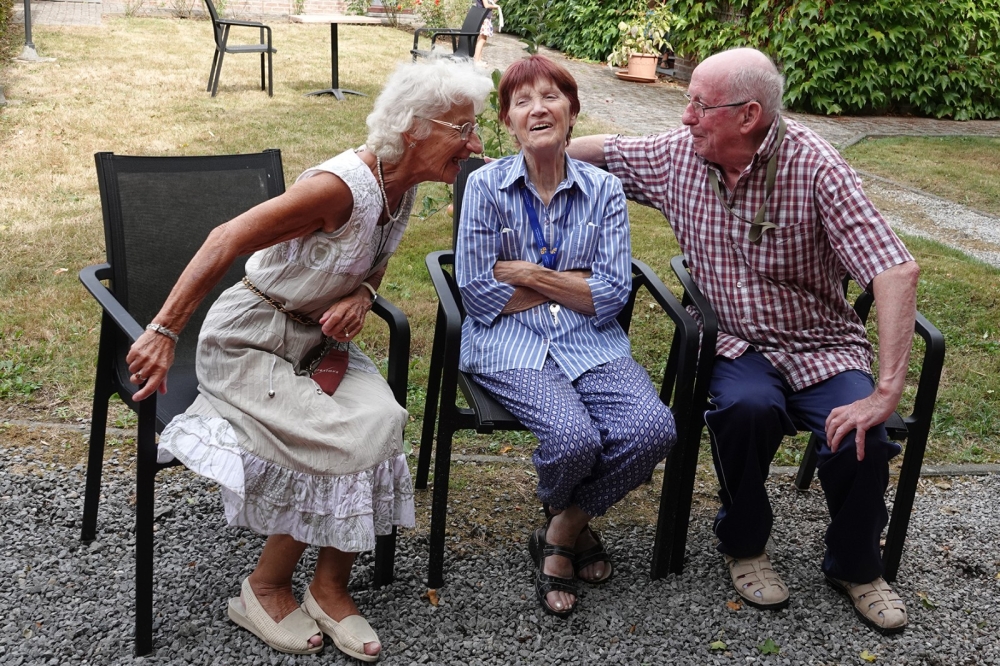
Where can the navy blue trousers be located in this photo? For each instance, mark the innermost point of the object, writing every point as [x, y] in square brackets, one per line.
[753, 409]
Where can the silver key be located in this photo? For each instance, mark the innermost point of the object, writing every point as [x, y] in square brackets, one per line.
[554, 309]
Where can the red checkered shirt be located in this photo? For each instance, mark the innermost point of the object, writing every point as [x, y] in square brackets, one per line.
[783, 297]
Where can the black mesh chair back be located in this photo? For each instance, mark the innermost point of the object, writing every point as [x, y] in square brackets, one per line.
[157, 213]
[444, 415]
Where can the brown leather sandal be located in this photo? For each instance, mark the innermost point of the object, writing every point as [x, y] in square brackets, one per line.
[544, 583]
[593, 555]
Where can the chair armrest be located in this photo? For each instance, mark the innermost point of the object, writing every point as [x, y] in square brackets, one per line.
[247, 24]
[449, 318]
[397, 374]
[91, 277]
[679, 377]
[453, 35]
[930, 371]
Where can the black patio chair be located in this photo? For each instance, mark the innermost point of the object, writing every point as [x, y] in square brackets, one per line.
[220, 29]
[485, 415]
[913, 429]
[463, 40]
[157, 213]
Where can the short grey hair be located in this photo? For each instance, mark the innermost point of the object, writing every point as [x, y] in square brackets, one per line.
[428, 89]
[753, 80]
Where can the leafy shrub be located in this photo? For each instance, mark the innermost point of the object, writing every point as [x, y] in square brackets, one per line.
[928, 57]
[7, 29]
[583, 29]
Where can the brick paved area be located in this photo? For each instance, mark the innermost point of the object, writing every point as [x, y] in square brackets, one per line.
[58, 12]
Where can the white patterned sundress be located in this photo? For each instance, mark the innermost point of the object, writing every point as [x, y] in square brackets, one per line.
[327, 470]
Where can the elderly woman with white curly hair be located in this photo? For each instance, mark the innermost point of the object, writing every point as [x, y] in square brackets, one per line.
[293, 421]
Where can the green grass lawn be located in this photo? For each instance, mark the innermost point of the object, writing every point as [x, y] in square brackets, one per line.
[137, 86]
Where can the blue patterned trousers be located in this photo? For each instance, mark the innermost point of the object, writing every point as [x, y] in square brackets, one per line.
[599, 436]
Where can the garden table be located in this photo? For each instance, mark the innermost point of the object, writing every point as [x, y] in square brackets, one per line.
[334, 20]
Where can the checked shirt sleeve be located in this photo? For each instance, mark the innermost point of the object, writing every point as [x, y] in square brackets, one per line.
[863, 241]
[477, 251]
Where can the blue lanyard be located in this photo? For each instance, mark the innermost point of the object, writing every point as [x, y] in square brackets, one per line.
[548, 255]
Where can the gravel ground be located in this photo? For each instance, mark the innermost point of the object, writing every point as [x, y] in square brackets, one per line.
[68, 603]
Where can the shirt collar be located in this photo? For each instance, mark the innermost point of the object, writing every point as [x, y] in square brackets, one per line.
[767, 146]
[518, 173]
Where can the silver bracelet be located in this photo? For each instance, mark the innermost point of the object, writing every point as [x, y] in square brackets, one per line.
[162, 330]
[371, 289]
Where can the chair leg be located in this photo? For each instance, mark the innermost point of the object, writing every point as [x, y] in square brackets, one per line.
[145, 479]
[270, 76]
[262, 81]
[385, 558]
[675, 504]
[211, 73]
[221, 50]
[98, 425]
[439, 507]
[808, 465]
[906, 489]
[431, 403]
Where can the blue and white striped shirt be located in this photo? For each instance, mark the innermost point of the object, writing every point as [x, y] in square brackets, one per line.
[495, 227]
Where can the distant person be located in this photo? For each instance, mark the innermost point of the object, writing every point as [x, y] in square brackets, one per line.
[292, 420]
[486, 31]
[544, 266]
[770, 218]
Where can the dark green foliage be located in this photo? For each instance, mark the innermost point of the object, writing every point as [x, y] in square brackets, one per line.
[9, 33]
[927, 57]
[585, 29]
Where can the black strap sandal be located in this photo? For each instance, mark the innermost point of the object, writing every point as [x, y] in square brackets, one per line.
[544, 583]
[592, 555]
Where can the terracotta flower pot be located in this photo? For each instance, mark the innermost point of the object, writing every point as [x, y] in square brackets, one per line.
[642, 66]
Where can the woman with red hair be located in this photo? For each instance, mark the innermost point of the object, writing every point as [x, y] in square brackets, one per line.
[543, 262]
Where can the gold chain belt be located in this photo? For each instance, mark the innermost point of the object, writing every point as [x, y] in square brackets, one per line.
[278, 306]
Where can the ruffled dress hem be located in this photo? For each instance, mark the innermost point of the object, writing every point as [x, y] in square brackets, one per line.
[344, 511]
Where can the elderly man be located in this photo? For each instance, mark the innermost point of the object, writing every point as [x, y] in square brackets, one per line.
[770, 218]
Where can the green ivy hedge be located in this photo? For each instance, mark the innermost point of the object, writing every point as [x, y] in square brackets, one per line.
[585, 29]
[927, 57]
[7, 28]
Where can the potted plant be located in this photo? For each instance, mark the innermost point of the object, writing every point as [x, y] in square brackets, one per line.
[641, 41]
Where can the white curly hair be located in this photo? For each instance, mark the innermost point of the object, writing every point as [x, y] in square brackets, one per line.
[428, 89]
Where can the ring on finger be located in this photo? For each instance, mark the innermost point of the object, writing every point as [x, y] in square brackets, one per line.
[138, 376]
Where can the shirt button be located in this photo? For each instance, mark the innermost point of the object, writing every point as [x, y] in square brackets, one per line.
[739, 283]
[743, 320]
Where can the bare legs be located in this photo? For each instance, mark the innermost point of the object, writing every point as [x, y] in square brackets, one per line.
[564, 530]
[272, 579]
[272, 582]
[329, 587]
[480, 43]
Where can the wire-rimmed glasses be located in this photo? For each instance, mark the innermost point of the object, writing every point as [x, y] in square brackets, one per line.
[464, 131]
[700, 109]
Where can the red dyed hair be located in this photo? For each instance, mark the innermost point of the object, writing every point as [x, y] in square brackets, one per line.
[530, 70]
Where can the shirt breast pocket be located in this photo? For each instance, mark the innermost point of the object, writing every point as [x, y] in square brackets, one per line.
[510, 245]
[784, 254]
[584, 245]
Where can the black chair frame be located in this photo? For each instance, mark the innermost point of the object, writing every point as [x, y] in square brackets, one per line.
[120, 328]
[463, 40]
[220, 30]
[913, 429]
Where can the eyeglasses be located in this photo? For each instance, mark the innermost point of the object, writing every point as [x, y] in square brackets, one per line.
[464, 131]
[700, 109]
